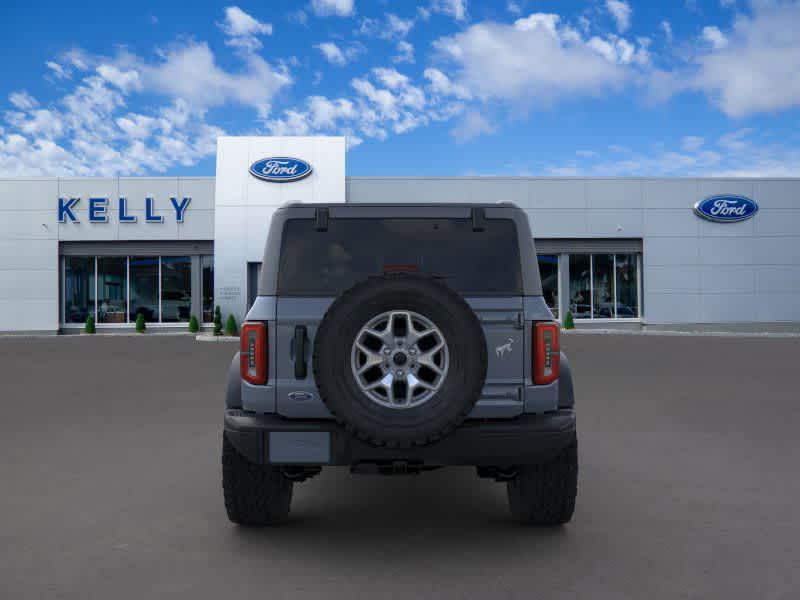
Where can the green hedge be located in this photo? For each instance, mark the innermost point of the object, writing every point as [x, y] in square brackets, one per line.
[230, 326]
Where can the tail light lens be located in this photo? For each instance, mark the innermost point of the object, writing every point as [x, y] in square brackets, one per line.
[546, 353]
[253, 353]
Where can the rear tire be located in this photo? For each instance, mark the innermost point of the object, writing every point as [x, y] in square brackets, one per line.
[545, 494]
[255, 495]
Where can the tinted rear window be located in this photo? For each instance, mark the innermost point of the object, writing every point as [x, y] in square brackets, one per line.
[326, 263]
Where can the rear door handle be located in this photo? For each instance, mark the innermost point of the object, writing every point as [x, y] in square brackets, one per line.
[300, 366]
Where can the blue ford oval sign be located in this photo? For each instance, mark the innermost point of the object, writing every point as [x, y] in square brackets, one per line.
[726, 209]
[280, 169]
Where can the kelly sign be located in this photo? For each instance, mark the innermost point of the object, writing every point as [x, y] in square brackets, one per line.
[99, 208]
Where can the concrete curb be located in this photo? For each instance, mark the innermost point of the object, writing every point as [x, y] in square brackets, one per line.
[81, 334]
[216, 338]
[668, 333]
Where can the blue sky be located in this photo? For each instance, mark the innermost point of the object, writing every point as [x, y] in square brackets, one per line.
[437, 87]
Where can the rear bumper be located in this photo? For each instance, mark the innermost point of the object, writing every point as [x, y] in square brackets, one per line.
[528, 439]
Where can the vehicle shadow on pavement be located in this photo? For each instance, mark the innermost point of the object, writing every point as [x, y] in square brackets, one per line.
[376, 518]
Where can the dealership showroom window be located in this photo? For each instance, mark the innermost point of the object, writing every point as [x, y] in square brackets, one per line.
[601, 286]
[116, 289]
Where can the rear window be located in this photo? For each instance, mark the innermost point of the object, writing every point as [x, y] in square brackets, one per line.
[326, 263]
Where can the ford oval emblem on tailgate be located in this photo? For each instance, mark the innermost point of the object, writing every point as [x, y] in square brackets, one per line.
[726, 209]
[280, 169]
[300, 396]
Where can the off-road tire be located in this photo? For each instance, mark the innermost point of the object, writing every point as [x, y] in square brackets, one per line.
[545, 494]
[387, 426]
[255, 495]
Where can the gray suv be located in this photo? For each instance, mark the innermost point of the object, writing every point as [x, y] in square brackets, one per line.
[397, 339]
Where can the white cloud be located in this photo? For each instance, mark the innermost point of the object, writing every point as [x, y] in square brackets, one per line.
[22, 100]
[298, 16]
[332, 53]
[405, 52]
[91, 130]
[243, 29]
[453, 8]
[727, 3]
[336, 55]
[441, 84]
[735, 154]
[619, 50]
[191, 72]
[37, 123]
[339, 8]
[385, 101]
[398, 27]
[472, 124]
[127, 80]
[692, 143]
[536, 60]
[391, 78]
[514, 8]
[758, 70]
[391, 27]
[715, 37]
[58, 70]
[666, 27]
[621, 11]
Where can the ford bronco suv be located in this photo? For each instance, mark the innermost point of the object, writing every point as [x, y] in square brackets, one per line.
[397, 339]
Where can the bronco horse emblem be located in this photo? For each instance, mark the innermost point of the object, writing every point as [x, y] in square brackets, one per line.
[501, 350]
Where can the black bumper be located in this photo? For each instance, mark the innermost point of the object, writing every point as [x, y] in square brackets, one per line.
[271, 439]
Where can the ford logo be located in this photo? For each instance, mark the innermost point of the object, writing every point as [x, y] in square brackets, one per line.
[280, 169]
[725, 208]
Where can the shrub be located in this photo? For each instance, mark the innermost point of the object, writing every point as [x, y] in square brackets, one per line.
[569, 322]
[217, 321]
[231, 327]
[194, 327]
[140, 324]
[89, 327]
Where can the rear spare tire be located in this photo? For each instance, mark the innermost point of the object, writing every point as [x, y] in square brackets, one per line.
[400, 360]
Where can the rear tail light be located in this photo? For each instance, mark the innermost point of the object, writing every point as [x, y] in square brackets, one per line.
[546, 353]
[253, 353]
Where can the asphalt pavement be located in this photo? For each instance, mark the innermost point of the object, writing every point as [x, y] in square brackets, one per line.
[688, 488]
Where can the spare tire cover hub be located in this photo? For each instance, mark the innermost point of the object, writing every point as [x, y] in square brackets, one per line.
[399, 359]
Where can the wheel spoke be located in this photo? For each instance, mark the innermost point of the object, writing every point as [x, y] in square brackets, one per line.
[385, 382]
[415, 335]
[372, 359]
[414, 383]
[384, 336]
[427, 358]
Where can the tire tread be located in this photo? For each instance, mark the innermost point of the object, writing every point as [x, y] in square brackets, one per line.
[255, 495]
[545, 494]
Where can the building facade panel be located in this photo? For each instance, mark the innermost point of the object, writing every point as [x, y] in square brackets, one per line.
[623, 194]
[609, 249]
[663, 194]
[557, 194]
[615, 222]
[669, 222]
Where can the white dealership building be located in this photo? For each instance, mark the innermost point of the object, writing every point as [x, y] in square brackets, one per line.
[615, 252]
